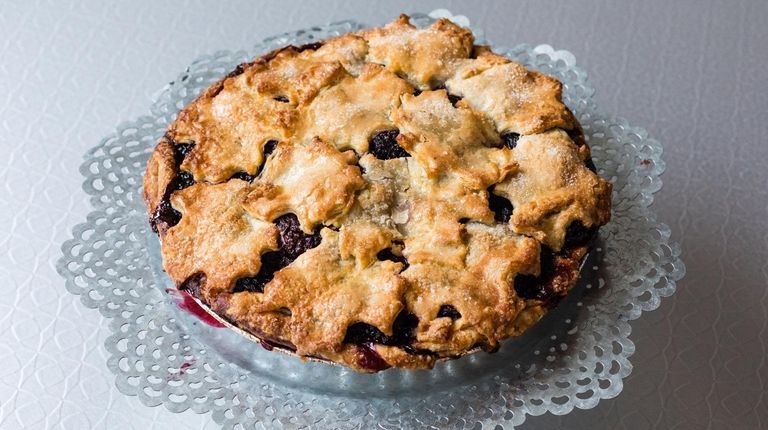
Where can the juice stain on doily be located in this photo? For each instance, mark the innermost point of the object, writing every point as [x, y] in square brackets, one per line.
[187, 303]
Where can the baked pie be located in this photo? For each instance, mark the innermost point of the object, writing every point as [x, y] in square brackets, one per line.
[386, 198]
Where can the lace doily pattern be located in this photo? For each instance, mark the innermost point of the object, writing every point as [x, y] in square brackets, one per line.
[576, 356]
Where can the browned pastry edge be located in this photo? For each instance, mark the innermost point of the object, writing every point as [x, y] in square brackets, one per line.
[567, 276]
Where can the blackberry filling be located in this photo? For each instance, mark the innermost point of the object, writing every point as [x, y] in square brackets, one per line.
[510, 139]
[557, 271]
[292, 242]
[165, 213]
[216, 89]
[181, 150]
[369, 359]
[502, 208]
[193, 284]
[387, 254]
[360, 333]
[314, 46]
[403, 333]
[576, 234]
[244, 176]
[183, 180]
[451, 97]
[238, 70]
[538, 287]
[577, 136]
[281, 99]
[384, 146]
[448, 311]
[269, 147]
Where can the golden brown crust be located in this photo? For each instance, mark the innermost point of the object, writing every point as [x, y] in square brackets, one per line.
[216, 236]
[314, 181]
[553, 188]
[413, 261]
[161, 169]
[340, 294]
[479, 286]
[348, 113]
[425, 57]
[516, 99]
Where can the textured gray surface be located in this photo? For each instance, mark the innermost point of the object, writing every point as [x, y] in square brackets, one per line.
[695, 74]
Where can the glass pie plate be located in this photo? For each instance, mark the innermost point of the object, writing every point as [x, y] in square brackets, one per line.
[166, 355]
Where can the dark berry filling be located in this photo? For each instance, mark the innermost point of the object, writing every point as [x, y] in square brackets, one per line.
[369, 359]
[557, 272]
[281, 99]
[269, 147]
[193, 284]
[576, 234]
[451, 97]
[502, 208]
[266, 345]
[416, 92]
[510, 139]
[182, 150]
[238, 70]
[360, 333]
[454, 99]
[577, 136]
[271, 262]
[403, 332]
[448, 311]
[183, 180]
[165, 213]
[292, 242]
[244, 176]
[216, 89]
[314, 46]
[538, 287]
[387, 254]
[384, 146]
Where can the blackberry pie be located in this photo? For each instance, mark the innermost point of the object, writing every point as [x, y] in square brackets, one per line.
[386, 198]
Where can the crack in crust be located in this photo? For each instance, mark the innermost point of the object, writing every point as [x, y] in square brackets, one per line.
[426, 196]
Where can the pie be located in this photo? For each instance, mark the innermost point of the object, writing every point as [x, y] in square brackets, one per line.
[387, 198]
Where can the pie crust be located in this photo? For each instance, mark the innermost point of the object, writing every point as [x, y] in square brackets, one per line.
[386, 198]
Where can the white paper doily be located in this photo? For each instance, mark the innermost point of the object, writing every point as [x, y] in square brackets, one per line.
[578, 354]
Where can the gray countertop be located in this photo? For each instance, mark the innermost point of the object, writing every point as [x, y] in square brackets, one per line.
[695, 74]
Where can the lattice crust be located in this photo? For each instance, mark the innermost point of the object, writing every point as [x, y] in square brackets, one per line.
[516, 99]
[314, 181]
[384, 198]
[216, 237]
[548, 200]
[426, 57]
[348, 113]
